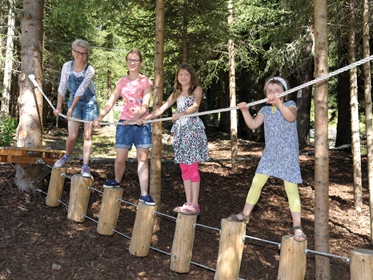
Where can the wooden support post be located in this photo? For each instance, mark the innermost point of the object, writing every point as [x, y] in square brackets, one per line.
[293, 259]
[55, 188]
[231, 246]
[361, 264]
[182, 245]
[79, 197]
[109, 211]
[142, 230]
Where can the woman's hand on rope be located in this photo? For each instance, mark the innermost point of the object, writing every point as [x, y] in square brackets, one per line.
[69, 114]
[243, 106]
[96, 123]
[57, 112]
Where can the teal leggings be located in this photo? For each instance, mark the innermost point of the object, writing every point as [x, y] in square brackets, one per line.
[290, 188]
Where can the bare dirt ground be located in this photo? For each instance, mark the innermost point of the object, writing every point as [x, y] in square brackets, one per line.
[39, 242]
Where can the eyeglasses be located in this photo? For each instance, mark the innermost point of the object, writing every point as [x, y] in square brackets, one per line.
[80, 53]
[136, 61]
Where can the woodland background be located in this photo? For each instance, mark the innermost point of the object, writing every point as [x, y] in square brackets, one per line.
[234, 46]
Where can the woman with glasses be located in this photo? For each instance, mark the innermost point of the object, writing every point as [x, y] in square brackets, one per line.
[77, 78]
[135, 89]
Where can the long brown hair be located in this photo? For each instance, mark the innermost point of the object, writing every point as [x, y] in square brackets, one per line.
[194, 82]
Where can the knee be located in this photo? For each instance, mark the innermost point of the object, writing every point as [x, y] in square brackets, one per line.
[194, 173]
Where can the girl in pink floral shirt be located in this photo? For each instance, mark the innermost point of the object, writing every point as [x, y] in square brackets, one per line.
[135, 89]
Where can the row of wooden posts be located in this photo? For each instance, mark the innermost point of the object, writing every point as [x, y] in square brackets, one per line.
[293, 259]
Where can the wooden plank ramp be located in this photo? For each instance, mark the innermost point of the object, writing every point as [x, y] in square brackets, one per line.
[29, 155]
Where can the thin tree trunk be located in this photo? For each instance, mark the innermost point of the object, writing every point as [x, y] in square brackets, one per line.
[8, 67]
[156, 166]
[110, 92]
[185, 32]
[232, 93]
[321, 142]
[304, 96]
[354, 104]
[29, 130]
[368, 109]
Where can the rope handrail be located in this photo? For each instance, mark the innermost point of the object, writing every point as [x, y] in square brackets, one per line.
[315, 81]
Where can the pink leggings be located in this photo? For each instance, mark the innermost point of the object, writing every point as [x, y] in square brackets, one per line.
[190, 172]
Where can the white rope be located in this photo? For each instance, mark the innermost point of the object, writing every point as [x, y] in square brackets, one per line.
[310, 83]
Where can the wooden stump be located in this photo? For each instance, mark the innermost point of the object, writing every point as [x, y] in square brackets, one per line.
[55, 188]
[230, 250]
[182, 245]
[109, 211]
[142, 230]
[293, 259]
[79, 198]
[361, 264]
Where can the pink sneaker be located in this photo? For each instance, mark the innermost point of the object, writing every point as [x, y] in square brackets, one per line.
[191, 210]
[179, 209]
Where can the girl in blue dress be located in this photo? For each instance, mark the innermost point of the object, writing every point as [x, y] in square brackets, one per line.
[280, 158]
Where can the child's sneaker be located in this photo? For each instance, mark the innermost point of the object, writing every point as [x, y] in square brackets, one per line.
[111, 184]
[85, 171]
[61, 162]
[147, 199]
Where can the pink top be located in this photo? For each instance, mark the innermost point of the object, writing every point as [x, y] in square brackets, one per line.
[132, 93]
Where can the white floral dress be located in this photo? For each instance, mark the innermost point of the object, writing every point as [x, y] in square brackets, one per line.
[280, 158]
[189, 137]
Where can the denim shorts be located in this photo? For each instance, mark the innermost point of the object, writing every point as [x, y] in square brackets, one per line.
[84, 110]
[139, 135]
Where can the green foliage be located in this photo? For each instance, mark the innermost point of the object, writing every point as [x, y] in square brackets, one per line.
[7, 130]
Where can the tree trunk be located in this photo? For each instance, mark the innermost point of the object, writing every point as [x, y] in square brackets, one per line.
[185, 32]
[354, 104]
[368, 109]
[232, 93]
[321, 142]
[29, 130]
[344, 110]
[304, 96]
[110, 92]
[156, 166]
[8, 67]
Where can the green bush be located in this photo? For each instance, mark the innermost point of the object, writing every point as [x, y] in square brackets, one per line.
[7, 130]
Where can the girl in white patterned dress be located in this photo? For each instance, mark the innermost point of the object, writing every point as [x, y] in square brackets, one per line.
[280, 158]
[189, 137]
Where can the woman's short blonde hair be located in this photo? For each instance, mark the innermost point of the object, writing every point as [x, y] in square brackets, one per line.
[80, 43]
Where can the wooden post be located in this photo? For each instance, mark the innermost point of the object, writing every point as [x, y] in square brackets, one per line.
[79, 197]
[293, 259]
[109, 211]
[55, 188]
[230, 250]
[361, 264]
[142, 230]
[182, 245]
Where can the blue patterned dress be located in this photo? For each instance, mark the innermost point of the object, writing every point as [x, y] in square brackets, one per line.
[280, 158]
[189, 137]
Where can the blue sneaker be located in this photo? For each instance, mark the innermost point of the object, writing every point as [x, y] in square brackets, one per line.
[111, 184]
[147, 199]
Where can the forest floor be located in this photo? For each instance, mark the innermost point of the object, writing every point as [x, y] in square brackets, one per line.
[39, 242]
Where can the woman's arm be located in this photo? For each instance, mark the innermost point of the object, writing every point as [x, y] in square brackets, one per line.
[160, 110]
[107, 107]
